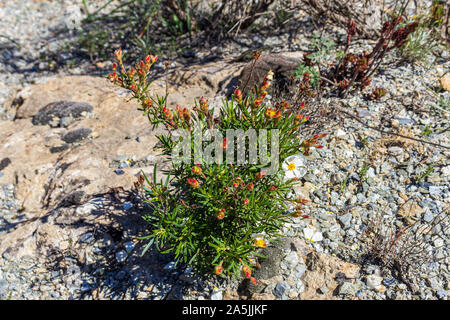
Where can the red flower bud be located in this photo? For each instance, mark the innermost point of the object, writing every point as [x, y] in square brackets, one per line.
[193, 182]
[218, 269]
[203, 105]
[238, 95]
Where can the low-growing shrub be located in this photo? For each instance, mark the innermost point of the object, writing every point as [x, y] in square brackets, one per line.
[355, 70]
[211, 213]
[352, 71]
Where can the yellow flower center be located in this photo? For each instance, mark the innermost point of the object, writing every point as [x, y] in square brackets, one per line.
[260, 243]
[291, 166]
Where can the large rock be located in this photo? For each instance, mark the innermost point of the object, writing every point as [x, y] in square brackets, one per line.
[58, 109]
[445, 82]
[254, 72]
[324, 270]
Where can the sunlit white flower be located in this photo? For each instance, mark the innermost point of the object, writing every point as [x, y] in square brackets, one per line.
[311, 235]
[295, 166]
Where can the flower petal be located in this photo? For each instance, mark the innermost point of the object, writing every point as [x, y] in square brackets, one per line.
[317, 237]
[308, 233]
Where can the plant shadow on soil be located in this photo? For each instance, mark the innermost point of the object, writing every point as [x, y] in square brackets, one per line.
[92, 258]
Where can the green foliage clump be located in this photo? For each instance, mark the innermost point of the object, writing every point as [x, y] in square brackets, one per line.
[215, 216]
[315, 76]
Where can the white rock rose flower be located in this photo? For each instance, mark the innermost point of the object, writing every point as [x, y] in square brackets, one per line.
[311, 235]
[295, 166]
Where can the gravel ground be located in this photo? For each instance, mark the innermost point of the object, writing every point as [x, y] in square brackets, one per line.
[360, 174]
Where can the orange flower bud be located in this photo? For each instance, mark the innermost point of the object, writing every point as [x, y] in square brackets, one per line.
[218, 269]
[257, 103]
[168, 115]
[196, 170]
[186, 115]
[193, 182]
[113, 77]
[247, 271]
[179, 111]
[260, 175]
[131, 72]
[203, 105]
[118, 54]
[238, 95]
[278, 115]
[263, 95]
[148, 103]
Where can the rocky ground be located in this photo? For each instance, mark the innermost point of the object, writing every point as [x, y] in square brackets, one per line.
[72, 146]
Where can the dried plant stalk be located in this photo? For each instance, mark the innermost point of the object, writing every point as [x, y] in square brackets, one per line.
[404, 250]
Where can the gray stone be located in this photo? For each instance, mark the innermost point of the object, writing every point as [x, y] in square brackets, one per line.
[373, 281]
[345, 220]
[123, 165]
[281, 289]
[85, 287]
[388, 282]
[291, 259]
[428, 216]
[60, 148]
[88, 237]
[396, 151]
[60, 109]
[170, 266]
[127, 205]
[119, 171]
[323, 289]
[363, 113]
[301, 268]
[4, 163]
[3, 288]
[434, 190]
[300, 286]
[348, 288]
[121, 256]
[76, 135]
[405, 121]
[129, 246]
[441, 294]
